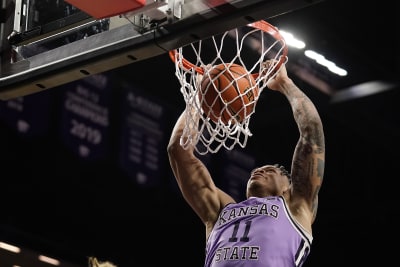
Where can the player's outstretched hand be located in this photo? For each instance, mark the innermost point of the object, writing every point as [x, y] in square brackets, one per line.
[275, 82]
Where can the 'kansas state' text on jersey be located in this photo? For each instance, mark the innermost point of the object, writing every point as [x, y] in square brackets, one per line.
[257, 232]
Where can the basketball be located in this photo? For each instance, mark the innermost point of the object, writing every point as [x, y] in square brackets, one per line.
[228, 93]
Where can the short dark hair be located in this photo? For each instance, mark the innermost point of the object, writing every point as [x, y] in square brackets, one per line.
[284, 171]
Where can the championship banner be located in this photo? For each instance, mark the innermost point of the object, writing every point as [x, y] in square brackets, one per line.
[85, 117]
[28, 115]
[235, 172]
[142, 137]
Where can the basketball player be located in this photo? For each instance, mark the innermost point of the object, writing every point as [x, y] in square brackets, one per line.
[273, 226]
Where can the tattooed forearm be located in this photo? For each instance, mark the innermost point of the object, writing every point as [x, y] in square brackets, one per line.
[309, 155]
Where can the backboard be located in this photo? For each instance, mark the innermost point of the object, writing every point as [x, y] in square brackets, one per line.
[43, 46]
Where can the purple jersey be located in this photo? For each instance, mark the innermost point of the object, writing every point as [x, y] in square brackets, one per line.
[257, 232]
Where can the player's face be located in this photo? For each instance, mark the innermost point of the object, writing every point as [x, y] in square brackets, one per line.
[267, 180]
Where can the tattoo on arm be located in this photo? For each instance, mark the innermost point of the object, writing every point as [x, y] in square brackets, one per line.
[308, 162]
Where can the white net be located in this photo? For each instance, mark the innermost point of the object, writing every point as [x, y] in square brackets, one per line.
[219, 116]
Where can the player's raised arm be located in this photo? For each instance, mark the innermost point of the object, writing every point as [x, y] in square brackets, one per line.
[309, 156]
[193, 178]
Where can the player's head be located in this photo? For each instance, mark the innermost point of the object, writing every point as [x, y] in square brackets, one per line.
[268, 180]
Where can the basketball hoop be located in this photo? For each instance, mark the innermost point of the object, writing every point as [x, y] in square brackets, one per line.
[265, 51]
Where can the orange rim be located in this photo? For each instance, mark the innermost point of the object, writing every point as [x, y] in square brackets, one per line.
[262, 25]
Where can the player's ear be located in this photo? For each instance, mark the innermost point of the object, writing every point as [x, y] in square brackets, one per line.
[288, 187]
